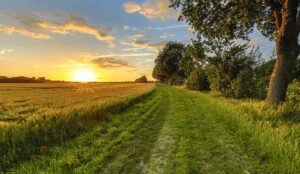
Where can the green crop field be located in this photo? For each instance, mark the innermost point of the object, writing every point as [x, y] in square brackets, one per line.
[157, 130]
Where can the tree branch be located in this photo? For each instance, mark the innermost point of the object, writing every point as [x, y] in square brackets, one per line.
[278, 18]
[276, 7]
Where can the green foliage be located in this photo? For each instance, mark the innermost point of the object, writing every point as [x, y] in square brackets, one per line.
[172, 65]
[232, 19]
[265, 69]
[244, 86]
[263, 73]
[142, 79]
[196, 52]
[296, 72]
[198, 80]
[293, 94]
[261, 86]
[218, 23]
[228, 74]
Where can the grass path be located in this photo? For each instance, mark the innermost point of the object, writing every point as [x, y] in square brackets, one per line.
[172, 131]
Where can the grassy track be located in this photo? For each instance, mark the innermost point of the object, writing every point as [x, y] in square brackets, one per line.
[172, 131]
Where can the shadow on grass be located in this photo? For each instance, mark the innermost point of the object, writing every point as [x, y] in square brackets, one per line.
[290, 116]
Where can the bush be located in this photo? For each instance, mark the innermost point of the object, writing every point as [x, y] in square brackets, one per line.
[198, 80]
[243, 86]
[261, 86]
[293, 94]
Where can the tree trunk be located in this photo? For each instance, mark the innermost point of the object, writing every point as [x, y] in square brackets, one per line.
[285, 62]
[287, 50]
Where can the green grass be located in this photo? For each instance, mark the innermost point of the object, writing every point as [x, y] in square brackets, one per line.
[176, 131]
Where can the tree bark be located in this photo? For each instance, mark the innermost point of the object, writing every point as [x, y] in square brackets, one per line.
[287, 50]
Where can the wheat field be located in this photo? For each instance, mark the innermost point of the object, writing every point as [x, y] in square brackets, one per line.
[22, 102]
[37, 116]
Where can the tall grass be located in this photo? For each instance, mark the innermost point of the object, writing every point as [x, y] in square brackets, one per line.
[272, 134]
[19, 141]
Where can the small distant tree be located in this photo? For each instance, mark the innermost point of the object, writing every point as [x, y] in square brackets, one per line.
[198, 80]
[142, 79]
[172, 65]
[41, 79]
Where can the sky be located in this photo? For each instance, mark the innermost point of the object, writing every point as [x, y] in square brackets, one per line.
[115, 40]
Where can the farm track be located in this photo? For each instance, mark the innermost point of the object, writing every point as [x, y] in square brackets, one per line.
[172, 131]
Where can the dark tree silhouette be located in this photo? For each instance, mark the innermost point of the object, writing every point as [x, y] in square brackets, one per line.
[22, 79]
[142, 79]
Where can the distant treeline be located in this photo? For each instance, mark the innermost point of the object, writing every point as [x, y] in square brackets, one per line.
[22, 79]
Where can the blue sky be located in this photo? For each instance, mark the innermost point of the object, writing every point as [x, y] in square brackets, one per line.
[116, 39]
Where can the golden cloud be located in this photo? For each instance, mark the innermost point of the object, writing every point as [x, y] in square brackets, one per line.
[23, 31]
[254, 42]
[109, 62]
[145, 45]
[131, 7]
[77, 24]
[152, 9]
[38, 29]
[6, 51]
[136, 36]
[87, 55]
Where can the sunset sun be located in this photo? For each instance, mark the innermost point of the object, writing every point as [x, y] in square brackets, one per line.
[84, 76]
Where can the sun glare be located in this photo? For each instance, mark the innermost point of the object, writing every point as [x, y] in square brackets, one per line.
[84, 76]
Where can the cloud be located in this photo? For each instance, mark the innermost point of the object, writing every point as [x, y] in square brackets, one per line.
[145, 45]
[108, 62]
[166, 36]
[131, 7]
[10, 30]
[34, 27]
[77, 24]
[251, 42]
[126, 27]
[88, 55]
[6, 51]
[168, 27]
[149, 60]
[132, 49]
[254, 42]
[136, 37]
[152, 9]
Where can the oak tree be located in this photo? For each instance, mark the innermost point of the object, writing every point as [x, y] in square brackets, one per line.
[235, 19]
